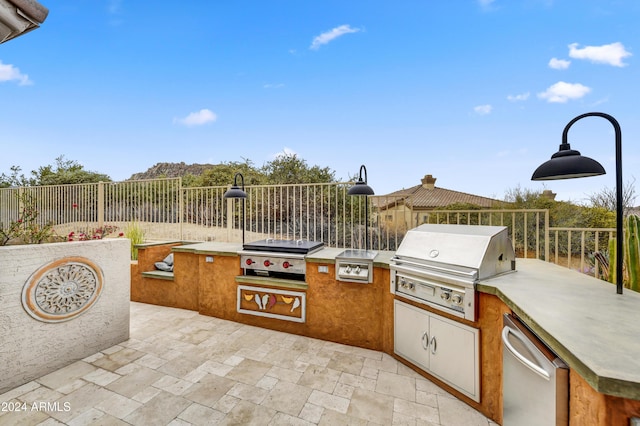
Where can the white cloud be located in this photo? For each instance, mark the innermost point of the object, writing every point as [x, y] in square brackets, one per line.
[562, 92]
[483, 109]
[517, 98]
[286, 152]
[273, 85]
[610, 54]
[559, 64]
[199, 118]
[599, 102]
[331, 35]
[10, 73]
[114, 6]
[485, 3]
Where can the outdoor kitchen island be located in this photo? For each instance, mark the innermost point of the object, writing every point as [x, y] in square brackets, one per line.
[581, 318]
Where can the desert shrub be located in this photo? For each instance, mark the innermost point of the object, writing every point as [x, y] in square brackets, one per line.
[133, 231]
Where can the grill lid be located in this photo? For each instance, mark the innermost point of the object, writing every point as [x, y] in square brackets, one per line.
[284, 246]
[486, 249]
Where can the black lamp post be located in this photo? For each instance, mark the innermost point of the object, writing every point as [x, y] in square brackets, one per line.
[237, 192]
[568, 164]
[361, 188]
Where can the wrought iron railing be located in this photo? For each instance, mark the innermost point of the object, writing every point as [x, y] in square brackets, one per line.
[166, 210]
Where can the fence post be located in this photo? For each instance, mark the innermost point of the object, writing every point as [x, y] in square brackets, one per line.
[20, 201]
[229, 215]
[546, 235]
[100, 204]
[181, 213]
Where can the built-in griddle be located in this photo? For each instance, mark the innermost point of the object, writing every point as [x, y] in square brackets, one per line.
[277, 258]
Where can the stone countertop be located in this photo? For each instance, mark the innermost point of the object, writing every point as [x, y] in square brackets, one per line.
[222, 249]
[329, 254]
[324, 255]
[582, 319]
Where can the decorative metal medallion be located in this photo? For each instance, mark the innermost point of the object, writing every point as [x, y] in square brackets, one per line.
[62, 290]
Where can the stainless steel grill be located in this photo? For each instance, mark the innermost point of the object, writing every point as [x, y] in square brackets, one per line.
[439, 265]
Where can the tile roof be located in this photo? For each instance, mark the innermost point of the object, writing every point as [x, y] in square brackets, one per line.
[432, 197]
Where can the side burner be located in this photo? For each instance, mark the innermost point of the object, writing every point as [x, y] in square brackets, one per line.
[355, 266]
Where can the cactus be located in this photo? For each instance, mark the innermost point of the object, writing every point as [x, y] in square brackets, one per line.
[612, 260]
[631, 252]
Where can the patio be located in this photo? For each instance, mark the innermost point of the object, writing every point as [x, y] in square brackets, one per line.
[180, 368]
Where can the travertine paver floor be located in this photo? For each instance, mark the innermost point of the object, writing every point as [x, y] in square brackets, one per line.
[181, 368]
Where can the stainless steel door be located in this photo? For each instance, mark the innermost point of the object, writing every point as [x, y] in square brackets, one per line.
[534, 380]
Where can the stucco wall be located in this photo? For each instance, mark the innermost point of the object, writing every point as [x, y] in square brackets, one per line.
[31, 346]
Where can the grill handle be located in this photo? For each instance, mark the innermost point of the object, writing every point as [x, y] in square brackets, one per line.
[434, 276]
[469, 275]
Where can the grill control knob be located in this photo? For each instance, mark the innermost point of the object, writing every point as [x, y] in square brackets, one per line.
[285, 264]
[445, 296]
[249, 262]
[412, 286]
[267, 263]
[403, 283]
[456, 299]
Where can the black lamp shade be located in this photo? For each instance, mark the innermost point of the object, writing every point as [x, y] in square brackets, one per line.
[567, 164]
[360, 188]
[235, 192]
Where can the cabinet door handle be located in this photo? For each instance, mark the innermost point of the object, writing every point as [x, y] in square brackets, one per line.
[425, 341]
[434, 345]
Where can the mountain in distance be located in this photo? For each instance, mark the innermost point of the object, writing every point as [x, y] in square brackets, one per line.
[171, 170]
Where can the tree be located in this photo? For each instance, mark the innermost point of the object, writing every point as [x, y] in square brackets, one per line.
[62, 173]
[65, 172]
[607, 198]
[14, 179]
[561, 213]
[223, 175]
[289, 168]
[519, 198]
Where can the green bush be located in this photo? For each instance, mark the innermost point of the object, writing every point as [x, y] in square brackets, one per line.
[133, 231]
[26, 229]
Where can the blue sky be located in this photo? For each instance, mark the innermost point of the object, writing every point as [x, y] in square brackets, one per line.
[474, 92]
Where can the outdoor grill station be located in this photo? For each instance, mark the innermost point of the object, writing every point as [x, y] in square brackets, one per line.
[272, 257]
[452, 303]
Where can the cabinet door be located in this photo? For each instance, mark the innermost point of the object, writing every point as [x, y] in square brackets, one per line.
[411, 335]
[454, 355]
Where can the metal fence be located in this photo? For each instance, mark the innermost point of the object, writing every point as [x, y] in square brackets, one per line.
[576, 248]
[165, 210]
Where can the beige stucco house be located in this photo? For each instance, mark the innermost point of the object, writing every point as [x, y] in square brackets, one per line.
[410, 207]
